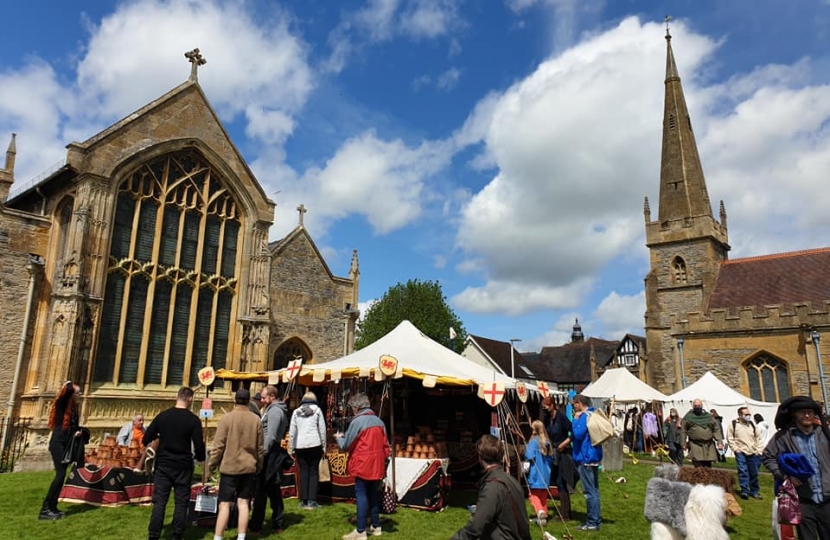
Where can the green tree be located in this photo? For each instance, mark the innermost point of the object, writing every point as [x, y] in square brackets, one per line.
[422, 303]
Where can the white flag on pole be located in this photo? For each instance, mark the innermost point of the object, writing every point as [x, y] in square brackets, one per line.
[452, 333]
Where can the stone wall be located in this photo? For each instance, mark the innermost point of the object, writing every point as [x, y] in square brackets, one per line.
[19, 236]
[307, 301]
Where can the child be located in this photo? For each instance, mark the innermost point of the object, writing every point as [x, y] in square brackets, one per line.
[539, 453]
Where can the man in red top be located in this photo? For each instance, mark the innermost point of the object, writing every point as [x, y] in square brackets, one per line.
[365, 440]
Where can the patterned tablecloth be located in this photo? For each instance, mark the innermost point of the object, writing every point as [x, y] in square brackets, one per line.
[107, 486]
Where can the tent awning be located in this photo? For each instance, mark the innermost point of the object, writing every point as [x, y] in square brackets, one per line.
[621, 386]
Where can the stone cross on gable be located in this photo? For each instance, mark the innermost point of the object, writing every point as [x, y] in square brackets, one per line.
[302, 210]
[196, 59]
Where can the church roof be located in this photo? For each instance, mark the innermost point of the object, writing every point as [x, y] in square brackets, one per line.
[571, 363]
[778, 279]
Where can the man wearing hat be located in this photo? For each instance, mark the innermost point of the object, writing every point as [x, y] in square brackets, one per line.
[255, 405]
[799, 433]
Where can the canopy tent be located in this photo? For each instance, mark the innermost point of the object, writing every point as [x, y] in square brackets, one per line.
[418, 356]
[623, 387]
[715, 394]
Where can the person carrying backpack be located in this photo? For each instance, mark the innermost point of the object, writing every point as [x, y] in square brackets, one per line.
[747, 442]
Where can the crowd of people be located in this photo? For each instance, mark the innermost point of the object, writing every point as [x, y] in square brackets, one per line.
[248, 454]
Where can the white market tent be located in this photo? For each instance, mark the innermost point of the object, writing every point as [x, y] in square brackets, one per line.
[418, 357]
[623, 387]
[715, 394]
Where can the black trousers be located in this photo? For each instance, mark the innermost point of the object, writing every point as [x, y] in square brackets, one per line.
[51, 501]
[165, 479]
[271, 492]
[308, 460]
[815, 522]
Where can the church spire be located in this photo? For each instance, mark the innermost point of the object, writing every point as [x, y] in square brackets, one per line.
[683, 191]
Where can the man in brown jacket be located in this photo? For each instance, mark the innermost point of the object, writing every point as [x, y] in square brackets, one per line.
[237, 451]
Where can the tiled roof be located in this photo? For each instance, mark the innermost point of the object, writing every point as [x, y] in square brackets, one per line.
[499, 352]
[571, 363]
[782, 278]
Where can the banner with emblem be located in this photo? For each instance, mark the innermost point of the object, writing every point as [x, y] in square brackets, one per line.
[491, 392]
[521, 391]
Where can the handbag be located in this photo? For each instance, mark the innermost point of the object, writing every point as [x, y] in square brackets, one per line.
[599, 428]
[789, 509]
[324, 470]
[388, 500]
[69, 451]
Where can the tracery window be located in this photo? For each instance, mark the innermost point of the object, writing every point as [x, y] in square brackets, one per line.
[291, 349]
[768, 379]
[679, 274]
[171, 280]
[63, 220]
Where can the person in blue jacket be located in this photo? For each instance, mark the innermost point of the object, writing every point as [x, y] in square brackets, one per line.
[539, 453]
[587, 458]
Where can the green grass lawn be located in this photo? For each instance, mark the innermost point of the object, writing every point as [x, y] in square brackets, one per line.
[622, 513]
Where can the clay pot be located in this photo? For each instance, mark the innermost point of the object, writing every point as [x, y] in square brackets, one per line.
[410, 440]
[410, 448]
[430, 438]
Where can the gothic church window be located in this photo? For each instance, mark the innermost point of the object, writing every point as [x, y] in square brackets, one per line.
[768, 379]
[171, 280]
[63, 220]
[679, 274]
[291, 349]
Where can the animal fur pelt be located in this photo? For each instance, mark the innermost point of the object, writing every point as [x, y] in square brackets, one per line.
[678, 510]
[706, 514]
[665, 503]
[707, 476]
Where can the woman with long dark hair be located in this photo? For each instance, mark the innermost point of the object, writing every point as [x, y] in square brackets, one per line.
[64, 421]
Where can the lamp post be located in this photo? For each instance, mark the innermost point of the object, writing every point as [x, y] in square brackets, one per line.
[512, 362]
[816, 339]
[680, 343]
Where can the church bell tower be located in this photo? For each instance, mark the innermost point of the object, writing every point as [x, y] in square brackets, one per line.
[686, 244]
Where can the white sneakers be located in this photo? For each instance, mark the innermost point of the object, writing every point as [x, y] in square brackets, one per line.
[354, 535]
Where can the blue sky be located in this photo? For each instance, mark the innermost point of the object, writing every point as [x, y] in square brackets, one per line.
[501, 147]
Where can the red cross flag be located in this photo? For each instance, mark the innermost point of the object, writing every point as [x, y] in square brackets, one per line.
[543, 388]
[521, 391]
[294, 368]
[493, 393]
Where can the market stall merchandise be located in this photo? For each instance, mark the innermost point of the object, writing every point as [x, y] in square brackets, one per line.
[421, 389]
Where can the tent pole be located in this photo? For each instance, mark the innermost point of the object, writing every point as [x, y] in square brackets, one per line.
[392, 429]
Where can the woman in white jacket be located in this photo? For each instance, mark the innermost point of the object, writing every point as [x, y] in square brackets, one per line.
[307, 442]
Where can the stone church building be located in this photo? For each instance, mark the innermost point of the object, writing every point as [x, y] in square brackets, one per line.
[760, 324]
[146, 257]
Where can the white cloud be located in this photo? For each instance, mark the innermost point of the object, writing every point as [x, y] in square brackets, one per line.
[384, 181]
[618, 315]
[512, 298]
[449, 79]
[566, 197]
[251, 63]
[380, 21]
[430, 18]
[576, 146]
[32, 103]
